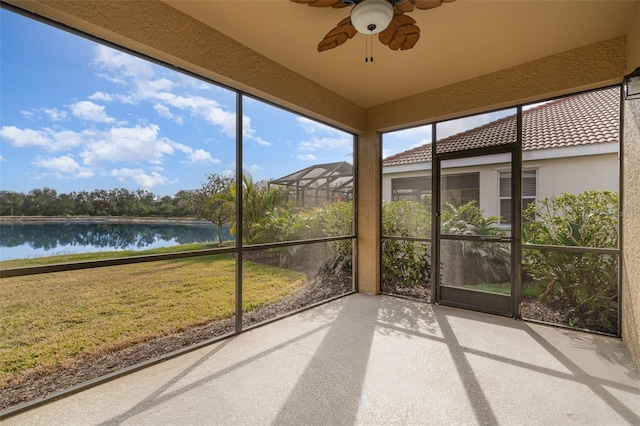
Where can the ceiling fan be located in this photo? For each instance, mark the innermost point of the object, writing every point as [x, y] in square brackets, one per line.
[383, 17]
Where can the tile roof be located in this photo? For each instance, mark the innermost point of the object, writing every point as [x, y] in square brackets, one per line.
[584, 119]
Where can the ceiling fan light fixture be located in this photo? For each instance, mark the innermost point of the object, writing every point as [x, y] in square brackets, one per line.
[371, 16]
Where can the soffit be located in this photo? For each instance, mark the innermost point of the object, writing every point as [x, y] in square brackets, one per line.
[459, 40]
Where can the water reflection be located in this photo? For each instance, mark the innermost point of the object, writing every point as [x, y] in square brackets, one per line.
[34, 240]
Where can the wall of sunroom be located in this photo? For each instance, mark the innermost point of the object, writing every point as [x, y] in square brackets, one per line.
[631, 204]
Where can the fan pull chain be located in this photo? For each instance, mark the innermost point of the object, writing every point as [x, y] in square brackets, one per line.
[366, 48]
[369, 47]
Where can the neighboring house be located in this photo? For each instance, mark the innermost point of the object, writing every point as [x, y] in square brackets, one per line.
[569, 145]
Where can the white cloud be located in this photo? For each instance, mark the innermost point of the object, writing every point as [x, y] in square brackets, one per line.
[120, 67]
[257, 139]
[100, 96]
[65, 139]
[119, 144]
[49, 139]
[310, 126]
[87, 110]
[307, 157]
[323, 137]
[140, 78]
[196, 84]
[421, 133]
[165, 112]
[27, 114]
[63, 167]
[55, 114]
[203, 108]
[23, 137]
[142, 179]
[202, 157]
[402, 140]
[316, 144]
[132, 144]
[252, 169]
[52, 114]
[148, 88]
[250, 134]
[180, 147]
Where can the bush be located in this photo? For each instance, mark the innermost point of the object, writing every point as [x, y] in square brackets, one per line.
[406, 219]
[406, 263]
[584, 284]
[485, 262]
[337, 219]
[289, 224]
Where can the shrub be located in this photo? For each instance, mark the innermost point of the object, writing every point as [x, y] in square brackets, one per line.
[585, 284]
[406, 219]
[485, 262]
[404, 262]
[337, 219]
[289, 224]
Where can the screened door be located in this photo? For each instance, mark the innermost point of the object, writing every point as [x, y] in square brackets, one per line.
[474, 232]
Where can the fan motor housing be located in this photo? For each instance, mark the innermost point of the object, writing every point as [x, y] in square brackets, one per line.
[371, 16]
[352, 2]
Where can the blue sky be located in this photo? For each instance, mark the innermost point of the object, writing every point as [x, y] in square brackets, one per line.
[76, 115]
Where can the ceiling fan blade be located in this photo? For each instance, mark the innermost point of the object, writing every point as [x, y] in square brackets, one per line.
[336, 4]
[404, 6]
[337, 36]
[408, 5]
[426, 4]
[402, 33]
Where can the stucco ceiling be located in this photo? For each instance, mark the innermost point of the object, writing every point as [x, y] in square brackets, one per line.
[459, 40]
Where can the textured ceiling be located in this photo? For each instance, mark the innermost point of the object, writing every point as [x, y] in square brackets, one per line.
[459, 40]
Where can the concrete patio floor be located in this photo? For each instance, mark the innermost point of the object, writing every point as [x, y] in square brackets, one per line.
[374, 360]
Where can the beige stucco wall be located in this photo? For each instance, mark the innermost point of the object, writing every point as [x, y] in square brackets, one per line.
[369, 208]
[631, 206]
[631, 231]
[583, 68]
[633, 42]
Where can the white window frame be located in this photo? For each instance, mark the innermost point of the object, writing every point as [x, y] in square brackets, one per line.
[526, 197]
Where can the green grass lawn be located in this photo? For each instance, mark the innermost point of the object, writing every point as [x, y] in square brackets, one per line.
[47, 320]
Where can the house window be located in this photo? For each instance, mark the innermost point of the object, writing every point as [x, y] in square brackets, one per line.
[529, 193]
[413, 188]
[460, 188]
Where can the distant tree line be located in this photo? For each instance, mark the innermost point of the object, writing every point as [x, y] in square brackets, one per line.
[118, 202]
[99, 202]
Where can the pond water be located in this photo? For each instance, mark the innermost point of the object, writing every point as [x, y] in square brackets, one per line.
[30, 240]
